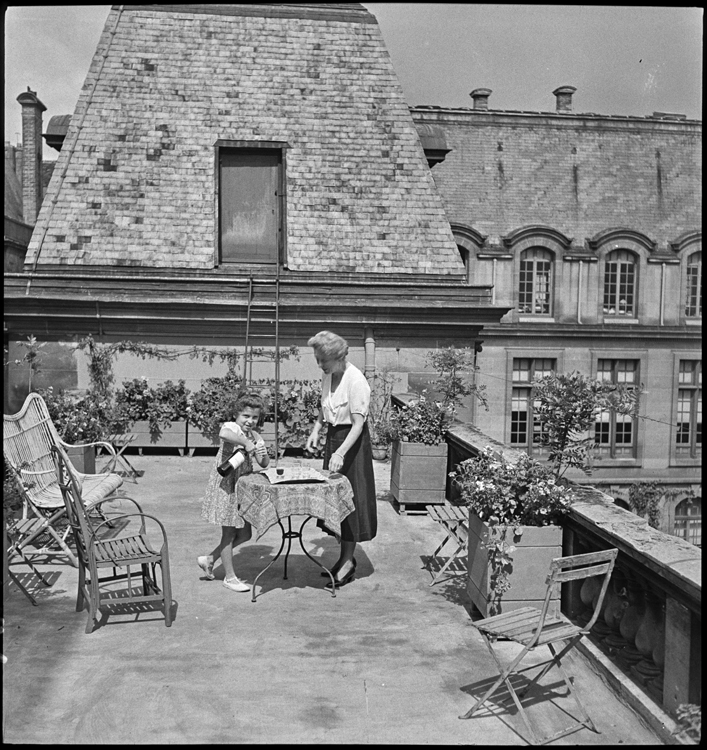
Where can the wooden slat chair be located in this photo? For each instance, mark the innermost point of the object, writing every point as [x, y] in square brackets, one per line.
[27, 438]
[98, 547]
[455, 521]
[532, 627]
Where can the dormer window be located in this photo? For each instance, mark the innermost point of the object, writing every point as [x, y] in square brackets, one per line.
[251, 206]
[535, 289]
[620, 284]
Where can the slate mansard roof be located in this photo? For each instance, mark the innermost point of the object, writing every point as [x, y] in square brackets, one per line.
[135, 180]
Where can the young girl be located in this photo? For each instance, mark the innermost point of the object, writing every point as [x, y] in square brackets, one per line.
[220, 505]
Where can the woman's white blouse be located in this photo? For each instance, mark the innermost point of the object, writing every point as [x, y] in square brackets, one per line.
[352, 396]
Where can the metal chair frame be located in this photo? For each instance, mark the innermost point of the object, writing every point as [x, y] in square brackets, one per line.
[98, 549]
[532, 627]
[455, 522]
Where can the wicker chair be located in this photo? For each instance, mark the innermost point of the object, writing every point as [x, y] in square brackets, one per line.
[27, 438]
[106, 546]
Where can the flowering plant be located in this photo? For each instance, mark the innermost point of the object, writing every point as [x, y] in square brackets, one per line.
[82, 419]
[524, 493]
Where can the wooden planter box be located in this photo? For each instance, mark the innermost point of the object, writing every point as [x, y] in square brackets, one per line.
[83, 458]
[418, 475]
[174, 436]
[195, 439]
[534, 549]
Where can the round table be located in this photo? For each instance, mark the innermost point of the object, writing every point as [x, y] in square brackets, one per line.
[263, 505]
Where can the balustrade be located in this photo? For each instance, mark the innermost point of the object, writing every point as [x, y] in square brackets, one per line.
[650, 627]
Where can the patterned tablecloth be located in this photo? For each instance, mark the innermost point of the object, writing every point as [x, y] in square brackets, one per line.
[262, 504]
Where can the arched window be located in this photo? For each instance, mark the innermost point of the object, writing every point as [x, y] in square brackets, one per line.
[464, 253]
[688, 520]
[535, 289]
[620, 283]
[693, 298]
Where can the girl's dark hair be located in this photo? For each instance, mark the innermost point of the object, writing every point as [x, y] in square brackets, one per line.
[245, 401]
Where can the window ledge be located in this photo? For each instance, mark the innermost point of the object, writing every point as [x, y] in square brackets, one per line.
[693, 321]
[620, 321]
[687, 461]
[535, 319]
[606, 463]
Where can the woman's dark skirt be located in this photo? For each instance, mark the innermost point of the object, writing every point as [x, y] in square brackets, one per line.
[362, 524]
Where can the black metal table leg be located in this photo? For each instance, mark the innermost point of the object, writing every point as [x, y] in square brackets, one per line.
[288, 536]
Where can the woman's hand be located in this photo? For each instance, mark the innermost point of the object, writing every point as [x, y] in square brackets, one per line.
[336, 462]
[311, 444]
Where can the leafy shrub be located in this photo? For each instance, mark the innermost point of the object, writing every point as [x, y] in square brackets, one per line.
[426, 420]
[213, 403]
[83, 419]
[12, 489]
[160, 406]
[297, 408]
[420, 421]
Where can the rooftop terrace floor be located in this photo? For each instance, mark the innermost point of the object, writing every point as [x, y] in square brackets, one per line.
[389, 660]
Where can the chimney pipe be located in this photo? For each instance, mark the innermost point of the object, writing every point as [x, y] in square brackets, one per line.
[32, 110]
[564, 98]
[481, 98]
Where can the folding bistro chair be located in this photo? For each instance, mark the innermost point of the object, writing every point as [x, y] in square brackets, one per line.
[27, 439]
[455, 521]
[532, 627]
[99, 546]
[120, 442]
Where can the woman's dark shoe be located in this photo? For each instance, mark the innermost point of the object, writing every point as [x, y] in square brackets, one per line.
[346, 579]
[335, 570]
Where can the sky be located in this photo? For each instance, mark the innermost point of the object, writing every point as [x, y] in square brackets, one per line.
[623, 60]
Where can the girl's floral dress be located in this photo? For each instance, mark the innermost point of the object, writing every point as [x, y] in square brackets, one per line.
[220, 504]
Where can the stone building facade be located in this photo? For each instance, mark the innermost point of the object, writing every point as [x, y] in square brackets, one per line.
[589, 228]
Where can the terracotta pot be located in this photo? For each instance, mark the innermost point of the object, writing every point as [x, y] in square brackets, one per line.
[380, 452]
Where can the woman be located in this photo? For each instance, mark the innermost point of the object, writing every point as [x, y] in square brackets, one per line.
[346, 396]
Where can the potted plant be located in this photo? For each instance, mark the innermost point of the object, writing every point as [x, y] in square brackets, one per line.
[379, 425]
[417, 429]
[158, 416]
[514, 507]
[81, 421]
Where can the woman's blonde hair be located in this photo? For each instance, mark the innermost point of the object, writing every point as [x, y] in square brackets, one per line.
[328, 345]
